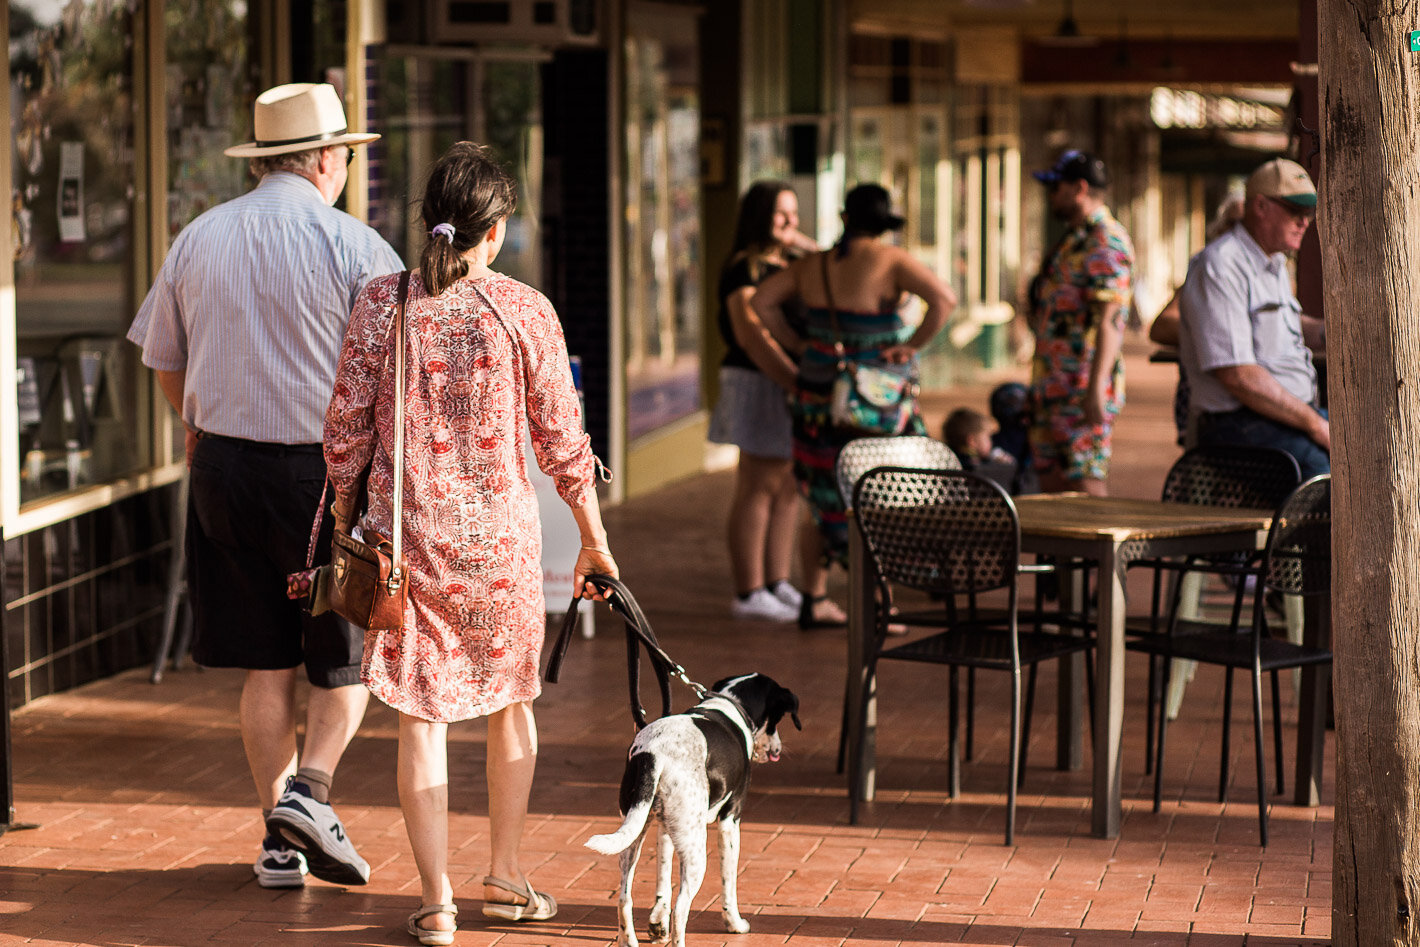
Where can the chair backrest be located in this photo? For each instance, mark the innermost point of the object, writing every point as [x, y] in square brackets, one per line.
[1260, 477]
[1298, 560]
[944, 531]
[863, 454]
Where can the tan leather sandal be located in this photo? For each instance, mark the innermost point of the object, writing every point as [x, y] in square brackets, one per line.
[427, 936]
[536, 906]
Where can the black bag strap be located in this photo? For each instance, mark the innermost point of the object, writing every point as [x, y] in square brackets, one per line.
[838, 347]
[638, 634]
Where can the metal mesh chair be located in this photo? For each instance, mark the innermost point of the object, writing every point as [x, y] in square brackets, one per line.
[855, 459]
[862, 455]
[1295, 561]
[1227, 476]
[954, 535]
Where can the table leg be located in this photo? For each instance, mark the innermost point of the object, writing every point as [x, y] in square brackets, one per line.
[1070, 701]
[1109, 692]
[861, 778]
[1311, 706]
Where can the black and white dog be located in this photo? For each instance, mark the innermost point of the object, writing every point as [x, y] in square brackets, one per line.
[689, 770]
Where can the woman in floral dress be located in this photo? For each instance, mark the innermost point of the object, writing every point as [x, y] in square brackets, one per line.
[486, 366]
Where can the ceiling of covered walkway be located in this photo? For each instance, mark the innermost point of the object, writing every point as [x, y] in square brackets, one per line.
[1103, 19]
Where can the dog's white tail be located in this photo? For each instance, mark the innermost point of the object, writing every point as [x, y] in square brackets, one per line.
[638, 791]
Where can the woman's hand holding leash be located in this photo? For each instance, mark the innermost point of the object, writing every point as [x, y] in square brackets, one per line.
[593, 560]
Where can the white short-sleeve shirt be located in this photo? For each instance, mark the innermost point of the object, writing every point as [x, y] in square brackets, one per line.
[1238, 308]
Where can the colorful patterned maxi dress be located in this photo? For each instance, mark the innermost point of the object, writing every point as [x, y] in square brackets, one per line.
[473, 626]
[817, 441]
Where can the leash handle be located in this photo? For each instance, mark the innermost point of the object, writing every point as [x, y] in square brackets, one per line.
[638, 632]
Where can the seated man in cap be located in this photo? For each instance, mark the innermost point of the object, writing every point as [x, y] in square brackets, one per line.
[243, 327]
[1079, 302]
[1243, 338]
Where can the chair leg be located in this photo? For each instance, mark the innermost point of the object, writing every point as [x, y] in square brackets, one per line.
[1277, 731]
[1013, 764]
[953, 761]
[1152, 692]
[1261, 763]
[1090, 692]
[1227, 734]
[970, 714]
[855, 771]
[843, 733]
[1025, 723]
[1166, 666]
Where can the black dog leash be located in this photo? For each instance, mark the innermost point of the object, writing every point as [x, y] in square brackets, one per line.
[638, 635]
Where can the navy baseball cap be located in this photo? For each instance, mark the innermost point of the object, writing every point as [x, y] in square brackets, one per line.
[1075, 165]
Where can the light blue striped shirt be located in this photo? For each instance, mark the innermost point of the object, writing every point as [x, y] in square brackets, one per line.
[252, 301]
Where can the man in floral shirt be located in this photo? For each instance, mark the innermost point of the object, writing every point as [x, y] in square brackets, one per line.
[1079, 303]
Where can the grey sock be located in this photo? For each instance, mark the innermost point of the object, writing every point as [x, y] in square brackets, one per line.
[318, 781]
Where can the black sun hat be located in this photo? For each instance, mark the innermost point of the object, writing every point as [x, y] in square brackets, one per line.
[868, 208]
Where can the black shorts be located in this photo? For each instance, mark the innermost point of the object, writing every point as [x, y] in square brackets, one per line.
[249, 516]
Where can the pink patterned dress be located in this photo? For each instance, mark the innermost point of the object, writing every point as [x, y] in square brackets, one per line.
[473, 626]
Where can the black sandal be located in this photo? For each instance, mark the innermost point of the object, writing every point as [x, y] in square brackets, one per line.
[807, 621]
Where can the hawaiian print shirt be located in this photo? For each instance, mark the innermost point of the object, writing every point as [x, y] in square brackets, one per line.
[1093, 265]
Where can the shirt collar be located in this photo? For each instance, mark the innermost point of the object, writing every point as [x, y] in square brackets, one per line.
[1272, 262]
[291, 181]
[1092, 220]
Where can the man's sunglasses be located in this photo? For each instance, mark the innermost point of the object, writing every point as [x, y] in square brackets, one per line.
[1300, 213]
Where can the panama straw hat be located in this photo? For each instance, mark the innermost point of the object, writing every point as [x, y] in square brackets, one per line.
[298, 117]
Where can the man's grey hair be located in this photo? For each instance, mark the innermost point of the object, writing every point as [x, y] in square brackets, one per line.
[299, 162]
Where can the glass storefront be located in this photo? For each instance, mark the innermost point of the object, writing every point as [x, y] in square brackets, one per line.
[430, 98]
[73, 188]
[662, 222]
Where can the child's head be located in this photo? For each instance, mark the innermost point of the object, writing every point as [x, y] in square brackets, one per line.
[968, 433]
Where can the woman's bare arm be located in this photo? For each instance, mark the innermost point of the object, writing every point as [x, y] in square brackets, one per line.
[757, 341]
[915, 277]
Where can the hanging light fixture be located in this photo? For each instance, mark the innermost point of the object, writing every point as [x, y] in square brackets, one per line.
[1067, 31]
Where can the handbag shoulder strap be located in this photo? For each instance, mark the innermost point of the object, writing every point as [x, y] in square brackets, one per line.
[832, 309]
[396, 573]
[398, 331]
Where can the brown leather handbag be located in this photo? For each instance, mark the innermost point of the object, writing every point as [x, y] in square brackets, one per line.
[368, 578]
[367, 581]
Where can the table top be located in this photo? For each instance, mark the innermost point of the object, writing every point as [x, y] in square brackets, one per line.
[1081, 516]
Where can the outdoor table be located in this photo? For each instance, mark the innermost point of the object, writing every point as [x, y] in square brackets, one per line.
[1112, 532]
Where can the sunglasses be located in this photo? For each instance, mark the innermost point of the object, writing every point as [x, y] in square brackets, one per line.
[1298, 213]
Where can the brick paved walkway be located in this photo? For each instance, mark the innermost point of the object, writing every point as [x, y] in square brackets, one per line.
[147, 824]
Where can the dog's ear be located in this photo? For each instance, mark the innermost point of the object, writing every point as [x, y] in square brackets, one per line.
[784, 701]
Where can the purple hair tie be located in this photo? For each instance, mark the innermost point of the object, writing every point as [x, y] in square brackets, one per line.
[445, 229]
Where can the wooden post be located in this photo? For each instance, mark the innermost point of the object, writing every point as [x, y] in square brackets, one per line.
[1370, 238]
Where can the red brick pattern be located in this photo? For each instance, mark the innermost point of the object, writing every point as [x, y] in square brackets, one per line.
[148, 824]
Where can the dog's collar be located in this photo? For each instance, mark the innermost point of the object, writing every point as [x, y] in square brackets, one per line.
[736, 713]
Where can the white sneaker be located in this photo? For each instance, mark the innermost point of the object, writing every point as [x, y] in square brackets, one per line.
[314, 829]
[279, 866]
[761, 605]
[786, 593]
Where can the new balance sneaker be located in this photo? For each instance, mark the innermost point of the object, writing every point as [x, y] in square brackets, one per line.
[761, 605]
[278, 865]
[316, 832]
[785, 592]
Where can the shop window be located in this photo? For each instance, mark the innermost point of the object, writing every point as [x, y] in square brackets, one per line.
[210, 89]
[432, 98]
[663, 240]
[73, 189]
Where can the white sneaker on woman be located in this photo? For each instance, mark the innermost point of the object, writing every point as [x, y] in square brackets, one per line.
[785, 592]
[762, 605]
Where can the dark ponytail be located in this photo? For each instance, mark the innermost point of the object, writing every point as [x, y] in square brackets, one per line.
[467, 193]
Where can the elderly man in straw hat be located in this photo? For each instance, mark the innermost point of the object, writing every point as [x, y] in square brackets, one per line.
[1243, 338]
[243, 327]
